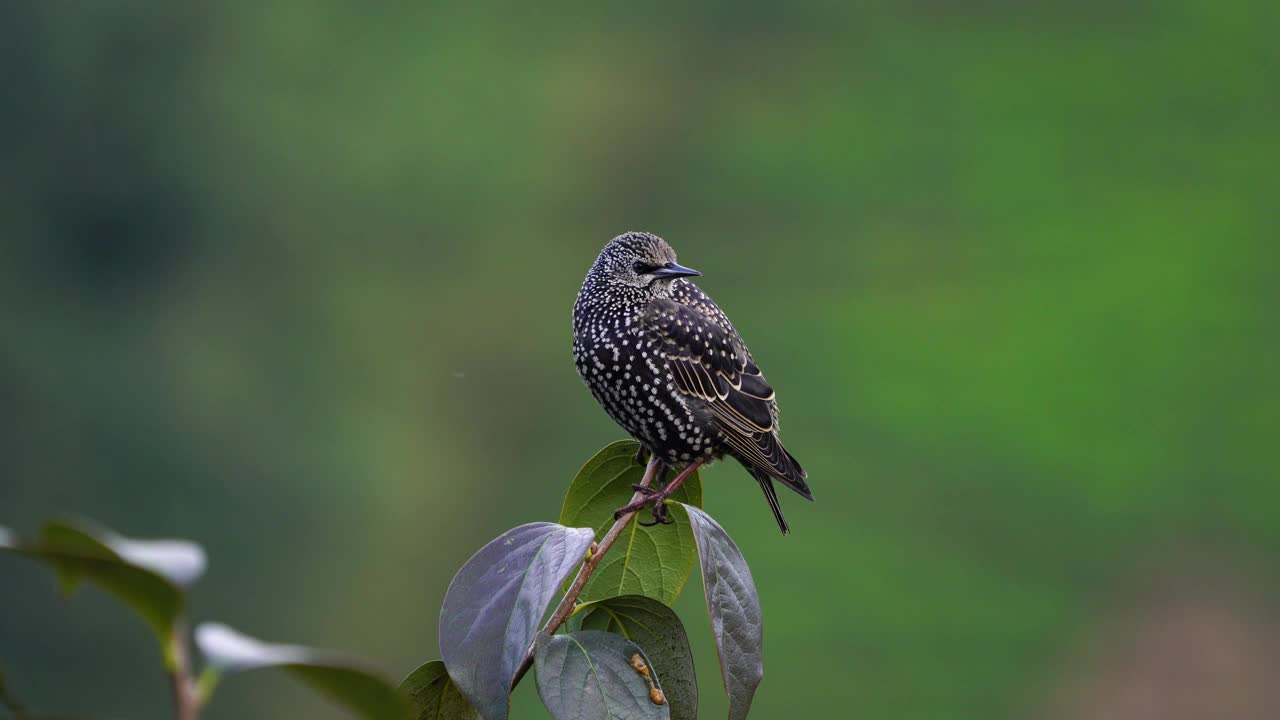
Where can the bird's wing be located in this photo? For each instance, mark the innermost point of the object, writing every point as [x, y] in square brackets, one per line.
[709, 361]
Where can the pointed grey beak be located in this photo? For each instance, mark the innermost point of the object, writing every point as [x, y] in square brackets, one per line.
[672, 270]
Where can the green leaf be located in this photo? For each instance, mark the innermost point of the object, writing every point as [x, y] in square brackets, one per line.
[494, 604]
[650, 561]
[589, 675]
[343, 680]
[734, 605]
[149, 576]
[658, 631]
[433, 696]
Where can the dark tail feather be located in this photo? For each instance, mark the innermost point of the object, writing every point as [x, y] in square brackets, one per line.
[793, 476]
[768, 461]
[771, 494]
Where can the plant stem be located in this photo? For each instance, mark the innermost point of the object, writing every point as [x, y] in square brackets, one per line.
[567, 604]
[186, 705]
[206, 684]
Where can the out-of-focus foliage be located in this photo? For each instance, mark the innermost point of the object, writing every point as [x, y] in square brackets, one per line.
[294, 278]
[9, 702]
[151, 577]
[361, 691]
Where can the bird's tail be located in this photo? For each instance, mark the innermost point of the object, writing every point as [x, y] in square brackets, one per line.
[794, 476]
[780, 464]
[771, 494]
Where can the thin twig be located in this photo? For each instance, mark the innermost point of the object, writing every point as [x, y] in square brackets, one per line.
[569, 602]
[186, 705]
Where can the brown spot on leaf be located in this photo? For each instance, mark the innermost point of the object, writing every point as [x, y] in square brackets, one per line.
[637, 664]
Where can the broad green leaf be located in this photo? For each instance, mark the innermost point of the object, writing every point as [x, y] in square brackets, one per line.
[150, 577]
[341, 679]
[650, 561]
[659, 632]
[433, 696]
[590, 675]
[493, 606]
[735, 612]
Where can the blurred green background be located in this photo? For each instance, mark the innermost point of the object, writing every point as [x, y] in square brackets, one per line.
[293, 279]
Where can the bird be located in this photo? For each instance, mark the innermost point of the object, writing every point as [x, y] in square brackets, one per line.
[665, 362]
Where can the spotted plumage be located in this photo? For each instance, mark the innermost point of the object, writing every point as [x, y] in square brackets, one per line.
[666, 364]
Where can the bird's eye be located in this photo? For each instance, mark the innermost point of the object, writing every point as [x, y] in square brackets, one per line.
[642, 268]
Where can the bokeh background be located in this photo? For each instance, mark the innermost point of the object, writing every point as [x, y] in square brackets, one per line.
[293, 279]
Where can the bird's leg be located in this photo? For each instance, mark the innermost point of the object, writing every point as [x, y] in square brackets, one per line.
[660, 508]
[684, 475]
[642, 455]
[658, 498]
[659, 482]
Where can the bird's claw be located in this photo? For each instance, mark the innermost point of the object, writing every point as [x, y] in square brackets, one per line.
[657, 499]
[660, 516]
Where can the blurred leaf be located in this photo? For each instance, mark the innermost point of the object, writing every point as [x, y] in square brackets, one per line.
[651, 561]
[7, 700]
[493, 606]
[229, 650]
[658, 631]
[148, 576]
[339, 678]
[433, 696]
[588, 675]
[735, 612]
[181, 562]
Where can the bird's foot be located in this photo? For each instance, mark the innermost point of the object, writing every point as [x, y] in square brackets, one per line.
[657, 498]
[651, 497]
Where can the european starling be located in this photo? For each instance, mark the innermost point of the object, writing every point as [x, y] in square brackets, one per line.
[667, 365]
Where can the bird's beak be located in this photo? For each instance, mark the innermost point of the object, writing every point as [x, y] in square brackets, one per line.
[672, 270]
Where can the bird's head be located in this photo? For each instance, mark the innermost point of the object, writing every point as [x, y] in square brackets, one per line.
[640, 260]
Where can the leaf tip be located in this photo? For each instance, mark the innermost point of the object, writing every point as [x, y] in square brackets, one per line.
[230, 650]
[182, 562]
